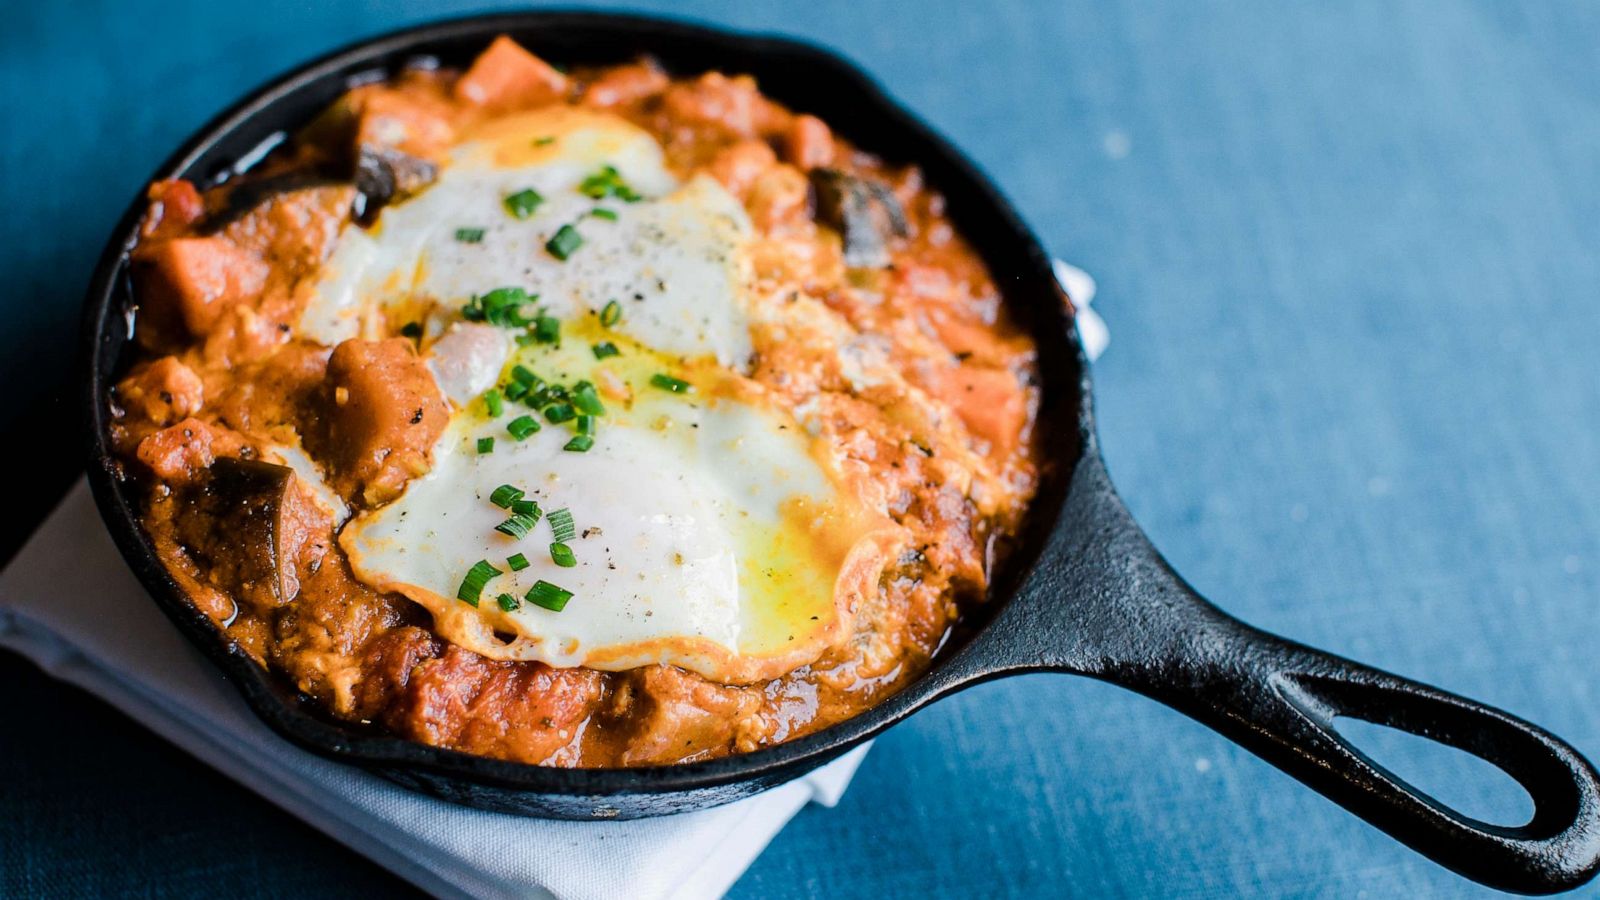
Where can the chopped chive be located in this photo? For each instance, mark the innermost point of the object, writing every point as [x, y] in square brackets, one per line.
[486, 445]
[560, 412]
[411, 330]
[523, 203]
[600, 212]
[517, 527]
[550, 393]
[525, 508]
[469, 235]
[545, 595]
[508, 603]
[611, 314]
[544, 141]
[561, 555]
[522, 375]
[525, 339]
[608, 183]
[605, 349]
[522, 426]
[668, 383]
[566, 240]
[561, 524]
[517, 562]
[494, 402]
[586, 400]
[598, 185]
[579, 444]
[586, 425]
[472, 585]
[501, 306]
[547, 329]
[515, 390]
[505, 495]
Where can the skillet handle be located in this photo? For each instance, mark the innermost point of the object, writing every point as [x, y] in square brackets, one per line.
[1108, 605]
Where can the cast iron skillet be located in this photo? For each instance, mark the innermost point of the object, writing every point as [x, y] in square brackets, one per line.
[1087, 593]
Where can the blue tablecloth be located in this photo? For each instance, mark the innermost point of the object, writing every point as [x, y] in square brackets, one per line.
[1349, 260]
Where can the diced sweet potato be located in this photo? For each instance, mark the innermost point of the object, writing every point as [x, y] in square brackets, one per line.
[808, 143]
[382, 414]
[679, 715]
[738, 166]
[293, 230]
[406, 121]
[506, 77]
[185, 283]
[991, 403]
[779, 198]
[732, 106]
[162, 392]
[175, 204]
[526, 712]
[625, 84]
[182, 452]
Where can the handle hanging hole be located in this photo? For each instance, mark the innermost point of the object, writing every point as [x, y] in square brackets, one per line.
[1467, 784]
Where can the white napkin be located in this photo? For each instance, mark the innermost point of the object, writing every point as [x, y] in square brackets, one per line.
[1080, 286]
[69, 603]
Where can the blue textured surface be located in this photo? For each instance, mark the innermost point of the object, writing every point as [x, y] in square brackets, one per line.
[1349, 261]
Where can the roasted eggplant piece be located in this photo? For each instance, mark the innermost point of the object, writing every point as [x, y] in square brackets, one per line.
[249, 526]
[384, 175]
[372, 155]
[864, 212]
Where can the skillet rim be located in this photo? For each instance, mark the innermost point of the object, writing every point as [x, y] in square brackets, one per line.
[294, 717]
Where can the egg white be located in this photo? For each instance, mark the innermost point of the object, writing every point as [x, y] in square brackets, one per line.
[671, 258]
[710, 533]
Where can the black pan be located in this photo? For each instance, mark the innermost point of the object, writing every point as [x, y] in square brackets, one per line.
[1086, 594]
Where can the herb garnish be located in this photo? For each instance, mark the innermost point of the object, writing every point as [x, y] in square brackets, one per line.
[608, 182]
[566, 240]
[501, 306]
[561, 524]
[586, 400]
[561, 555]
[668, 383]
[522, 426]
[548, 596]
[472, 585]
[518, 526]
[522, 204]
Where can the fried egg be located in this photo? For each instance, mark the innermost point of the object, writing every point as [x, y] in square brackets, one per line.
[709, 529]
[670, 257]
